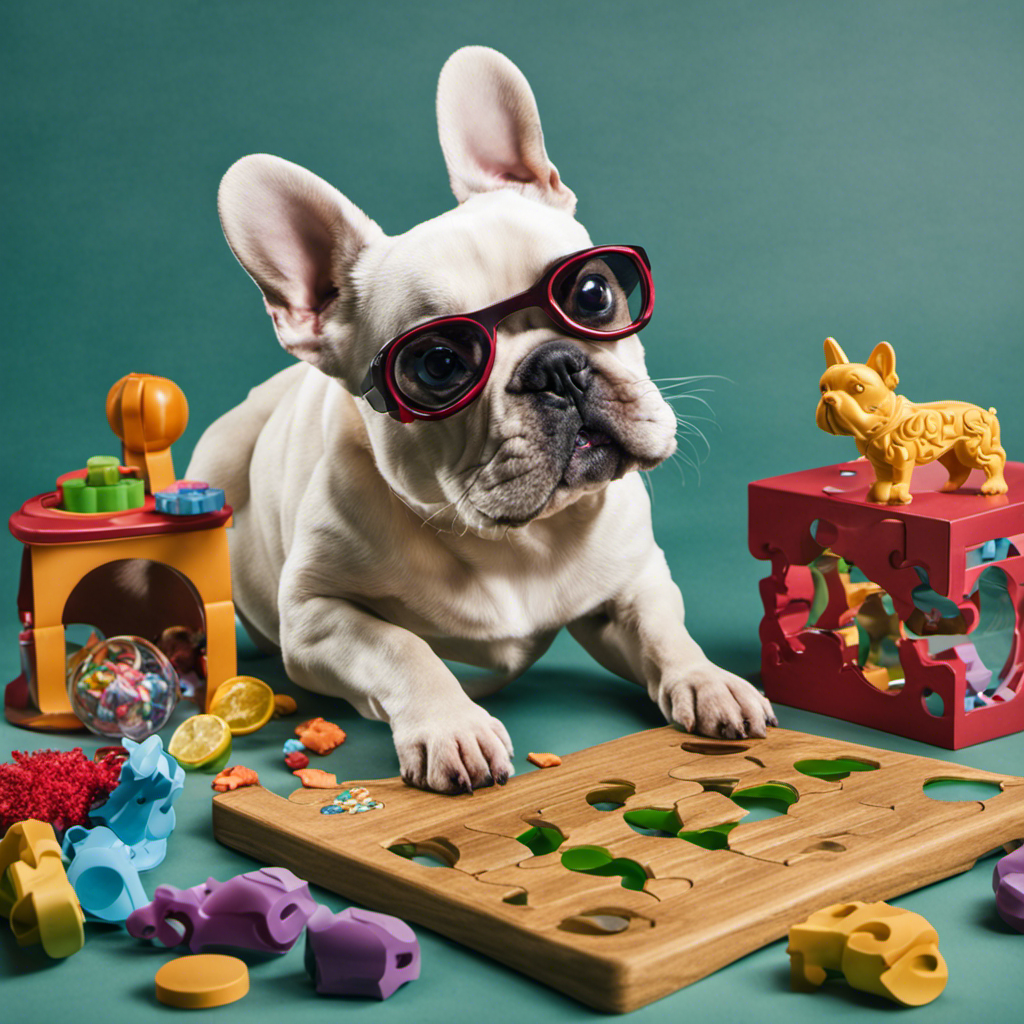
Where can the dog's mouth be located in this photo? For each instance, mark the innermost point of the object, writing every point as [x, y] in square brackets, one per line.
[595, 457]
[587, 439]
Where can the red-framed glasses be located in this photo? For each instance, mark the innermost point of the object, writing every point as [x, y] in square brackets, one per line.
[438, 368]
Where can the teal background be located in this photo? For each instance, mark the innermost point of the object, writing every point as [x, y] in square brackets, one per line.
[794, 169]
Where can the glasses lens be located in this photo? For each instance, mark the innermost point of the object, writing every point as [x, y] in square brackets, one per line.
[434, 370]
[605, 292]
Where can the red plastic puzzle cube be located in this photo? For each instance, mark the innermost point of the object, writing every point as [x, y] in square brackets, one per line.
[919, 567]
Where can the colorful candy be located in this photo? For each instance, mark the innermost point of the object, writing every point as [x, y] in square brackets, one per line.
[352, 801]
[123, 686]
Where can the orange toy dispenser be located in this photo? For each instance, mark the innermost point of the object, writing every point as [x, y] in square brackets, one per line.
[72, 566]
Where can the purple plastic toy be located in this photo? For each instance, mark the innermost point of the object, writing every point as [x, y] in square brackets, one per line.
[264, 910]
[359, 952]
[1008, 885]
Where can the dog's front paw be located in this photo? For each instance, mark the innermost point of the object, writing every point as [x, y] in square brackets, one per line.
[454, 750]
[708, 700]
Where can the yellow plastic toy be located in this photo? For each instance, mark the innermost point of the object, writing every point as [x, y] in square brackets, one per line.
[62, 548]
[895, 434]
[35, 893]
[886, 950]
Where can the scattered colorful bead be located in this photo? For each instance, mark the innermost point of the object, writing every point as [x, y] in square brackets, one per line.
[291, 747]
[123, 686]
[352, 801]
[296, 759]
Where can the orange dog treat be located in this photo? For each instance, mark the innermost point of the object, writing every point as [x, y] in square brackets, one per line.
[284, 705]
[544, 760]
[317, 778]
[234, 778]
[319, 735]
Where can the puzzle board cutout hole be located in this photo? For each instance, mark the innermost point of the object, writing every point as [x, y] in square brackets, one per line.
[954, 790]
[650, 821]
[723, 786]
[833, 769]
[714, 838]
[611, 796]
[596, 860]
[541, 839]
[825, 846]
[768, 801]
[611, 921]
[712, 749]
[430, 853]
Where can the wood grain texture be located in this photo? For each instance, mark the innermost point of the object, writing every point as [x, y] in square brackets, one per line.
[871, 836]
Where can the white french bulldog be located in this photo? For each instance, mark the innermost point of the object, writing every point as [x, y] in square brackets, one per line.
[432, 482]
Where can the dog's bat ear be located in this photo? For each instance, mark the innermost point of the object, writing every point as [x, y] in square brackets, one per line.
[834, 355]
[297, 238]
[883, 361]
[490, 130]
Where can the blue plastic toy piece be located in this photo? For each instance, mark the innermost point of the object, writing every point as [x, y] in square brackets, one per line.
[140, 810]
[103, 874]
[188, 501]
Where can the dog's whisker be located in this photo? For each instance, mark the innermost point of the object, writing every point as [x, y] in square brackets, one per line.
[687, 437]
[689, 390]
[649, 484]
[678, 461]
[693, 398]
[690, 431]
[694, 379]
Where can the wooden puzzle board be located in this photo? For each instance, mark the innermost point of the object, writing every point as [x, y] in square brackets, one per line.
[870, 836]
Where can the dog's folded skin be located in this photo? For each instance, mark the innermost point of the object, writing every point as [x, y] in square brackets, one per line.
[369, 549]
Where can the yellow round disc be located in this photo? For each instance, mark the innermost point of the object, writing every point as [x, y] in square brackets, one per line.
[206, 979]
[202, 741]
[245, 703]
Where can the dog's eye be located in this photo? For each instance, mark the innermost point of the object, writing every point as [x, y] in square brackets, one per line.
[432, 370]
[858, 388]
[824, 388]
[437, 367]
[594, 296]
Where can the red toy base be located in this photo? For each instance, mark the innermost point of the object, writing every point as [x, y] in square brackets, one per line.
[19, 711]
[815, 667]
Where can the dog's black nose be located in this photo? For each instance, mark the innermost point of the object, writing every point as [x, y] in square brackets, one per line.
[556, 368]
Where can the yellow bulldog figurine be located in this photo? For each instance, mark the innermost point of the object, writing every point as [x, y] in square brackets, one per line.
[895, 434]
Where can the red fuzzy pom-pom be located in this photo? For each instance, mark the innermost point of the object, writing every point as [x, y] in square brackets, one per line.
[56, 786]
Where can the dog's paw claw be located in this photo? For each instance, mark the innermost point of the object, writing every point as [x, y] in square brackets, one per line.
[467, 750]
[713, 702]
